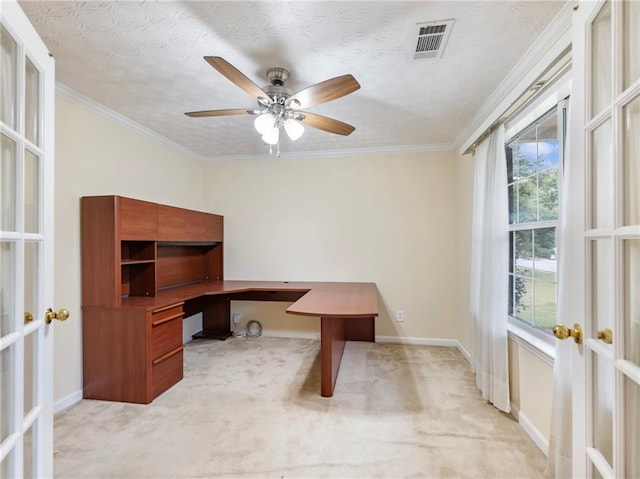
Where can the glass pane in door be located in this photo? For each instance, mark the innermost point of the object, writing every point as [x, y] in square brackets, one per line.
[601, 83]
[32, 103]
[7, 287]
[31, 192]
[29, 453]
[31, 294]
[31, 286]
[30, 384]
[631, 162]
[601, 172]
[632, 300]
[6, 466]
[601, 289]
[602, 397]
[595, 474]
[6, 392]
[8, 79]
[631, 42]
[632, 426]
[8, 181]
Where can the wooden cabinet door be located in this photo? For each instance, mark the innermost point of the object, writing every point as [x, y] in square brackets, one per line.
[171, 223]
[138, 219]
[179, 224]
[214, 228]
[195, 226]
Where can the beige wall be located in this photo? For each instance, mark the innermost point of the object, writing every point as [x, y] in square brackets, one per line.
[464, 209]
[531, 386]
[389, 219]
[95, 156]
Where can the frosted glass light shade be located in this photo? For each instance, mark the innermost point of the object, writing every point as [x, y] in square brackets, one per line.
[264, 123]
[272, 136]
[293, 128]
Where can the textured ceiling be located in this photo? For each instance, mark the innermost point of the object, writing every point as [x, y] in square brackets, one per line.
[144, 60]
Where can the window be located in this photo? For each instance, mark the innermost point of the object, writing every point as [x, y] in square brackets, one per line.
[534, 159]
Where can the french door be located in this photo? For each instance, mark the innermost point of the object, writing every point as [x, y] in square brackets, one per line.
[26, 248]
[604, 176]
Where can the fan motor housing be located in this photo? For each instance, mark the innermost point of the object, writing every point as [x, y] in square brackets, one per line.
[277, 77]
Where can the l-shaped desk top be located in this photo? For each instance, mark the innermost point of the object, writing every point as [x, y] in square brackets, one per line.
[323, 299]
[347, 311]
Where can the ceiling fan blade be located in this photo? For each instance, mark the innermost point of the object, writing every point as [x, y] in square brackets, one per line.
[325, 91]
[326, 124]
[236, 76]
[198, 114]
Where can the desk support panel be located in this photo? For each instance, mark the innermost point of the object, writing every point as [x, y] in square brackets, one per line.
[334, 333]
[332, 341]
[216, 311]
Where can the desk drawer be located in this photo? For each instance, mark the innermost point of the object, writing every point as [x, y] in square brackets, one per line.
[166, 371]
[166, 330]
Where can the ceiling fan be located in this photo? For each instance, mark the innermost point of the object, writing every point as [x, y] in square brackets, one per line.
[279, 107]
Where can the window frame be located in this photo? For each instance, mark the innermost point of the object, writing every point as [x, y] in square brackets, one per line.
[537, 225]
[537, 340]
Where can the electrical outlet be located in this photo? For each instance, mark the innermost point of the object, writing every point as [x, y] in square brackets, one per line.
[399, 315]
[236, 318]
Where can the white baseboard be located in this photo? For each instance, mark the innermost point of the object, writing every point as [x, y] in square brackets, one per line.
[536, 436]
[65, 402]
[515, 412]
[449, 343]
[464, 352]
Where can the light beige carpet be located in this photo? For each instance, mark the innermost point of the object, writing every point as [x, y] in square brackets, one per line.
[252, 408]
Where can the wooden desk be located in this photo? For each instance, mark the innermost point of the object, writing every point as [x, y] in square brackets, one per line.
[346, 311]
[145, 266]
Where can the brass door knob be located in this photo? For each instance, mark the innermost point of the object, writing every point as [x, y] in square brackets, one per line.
[28, 317]
[60, 315]
[606, 335]
[560, 331]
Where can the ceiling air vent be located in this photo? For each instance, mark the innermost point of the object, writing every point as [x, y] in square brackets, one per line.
[432, 38]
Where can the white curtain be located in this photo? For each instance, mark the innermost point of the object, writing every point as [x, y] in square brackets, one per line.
[489, 271]
[559, 455]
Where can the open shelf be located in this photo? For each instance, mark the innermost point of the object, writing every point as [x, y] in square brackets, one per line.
[132, 252]
[139, 279]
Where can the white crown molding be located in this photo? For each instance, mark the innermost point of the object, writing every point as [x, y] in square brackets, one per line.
[351, 152]
[553, 40]
[95, 107]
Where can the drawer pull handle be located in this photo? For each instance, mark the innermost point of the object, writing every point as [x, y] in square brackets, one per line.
[164, 357]
[160, 310]
[166, 320]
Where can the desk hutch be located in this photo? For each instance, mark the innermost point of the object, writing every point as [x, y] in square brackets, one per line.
[133, 248]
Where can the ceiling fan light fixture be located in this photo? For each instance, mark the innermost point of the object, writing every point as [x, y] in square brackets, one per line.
[272, 137]
[265, 123]
[294, 129]
[278, 105]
